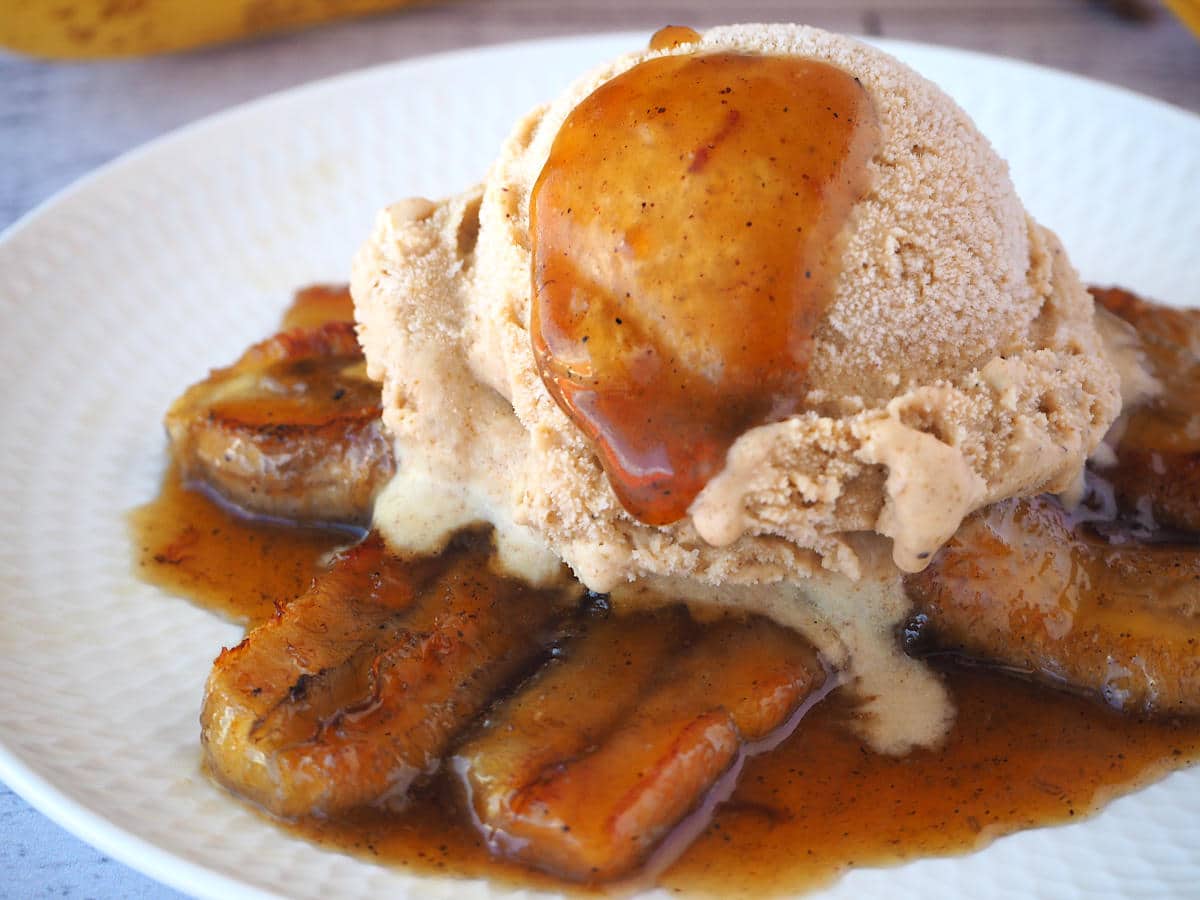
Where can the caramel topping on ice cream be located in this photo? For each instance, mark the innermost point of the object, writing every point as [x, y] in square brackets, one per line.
[684, 238]
[671, 36]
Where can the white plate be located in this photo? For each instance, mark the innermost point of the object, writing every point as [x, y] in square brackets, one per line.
[128, 286]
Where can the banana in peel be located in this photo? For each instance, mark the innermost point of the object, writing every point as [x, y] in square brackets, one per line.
[95, 29]
[1188, 12]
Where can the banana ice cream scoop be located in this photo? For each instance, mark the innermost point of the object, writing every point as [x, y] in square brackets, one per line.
[722, 307]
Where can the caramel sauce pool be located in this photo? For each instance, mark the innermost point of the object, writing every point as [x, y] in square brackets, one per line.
[686, 239]
[190, 546]
[1019, 755]
[672, 36]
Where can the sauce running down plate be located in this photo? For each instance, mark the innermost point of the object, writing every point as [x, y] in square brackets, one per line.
[98, 719]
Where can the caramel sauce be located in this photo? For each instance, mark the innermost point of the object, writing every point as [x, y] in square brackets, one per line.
[1019, 756]
[188, 545]
[672, 36]
[685, 235]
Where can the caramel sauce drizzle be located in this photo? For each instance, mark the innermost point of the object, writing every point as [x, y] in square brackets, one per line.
[685, 248]
[672, 36]
[241, 568]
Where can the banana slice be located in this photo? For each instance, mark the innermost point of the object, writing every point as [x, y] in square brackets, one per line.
[291, 431]
[1024, 586]
[1158, 456]
[586, 770]
[355, 690]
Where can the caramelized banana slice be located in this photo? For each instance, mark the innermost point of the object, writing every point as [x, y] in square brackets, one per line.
[317, 304]
[355, 690]
[1158, 457]
[561, 712]
[587, 792]
[290, 431]
[1022, 586]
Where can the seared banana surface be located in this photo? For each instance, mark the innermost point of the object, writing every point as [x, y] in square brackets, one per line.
[588, 768]
[290, 431]
[1023, 585]
[356, 689]
[1158, 455]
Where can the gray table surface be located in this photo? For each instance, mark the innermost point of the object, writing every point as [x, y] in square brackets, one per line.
[58, 121]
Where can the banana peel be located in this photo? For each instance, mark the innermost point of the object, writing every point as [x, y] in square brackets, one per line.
[1188, 12]
[98, 29]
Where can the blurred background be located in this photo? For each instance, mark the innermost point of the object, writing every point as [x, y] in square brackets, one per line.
[61, 118]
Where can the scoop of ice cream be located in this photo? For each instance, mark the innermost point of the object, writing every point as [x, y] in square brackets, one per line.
[956, 363]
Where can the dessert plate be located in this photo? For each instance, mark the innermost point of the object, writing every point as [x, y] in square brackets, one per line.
[131, 284]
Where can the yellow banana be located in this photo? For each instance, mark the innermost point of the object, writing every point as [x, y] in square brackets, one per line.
[93, 29]
[1188, 12]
